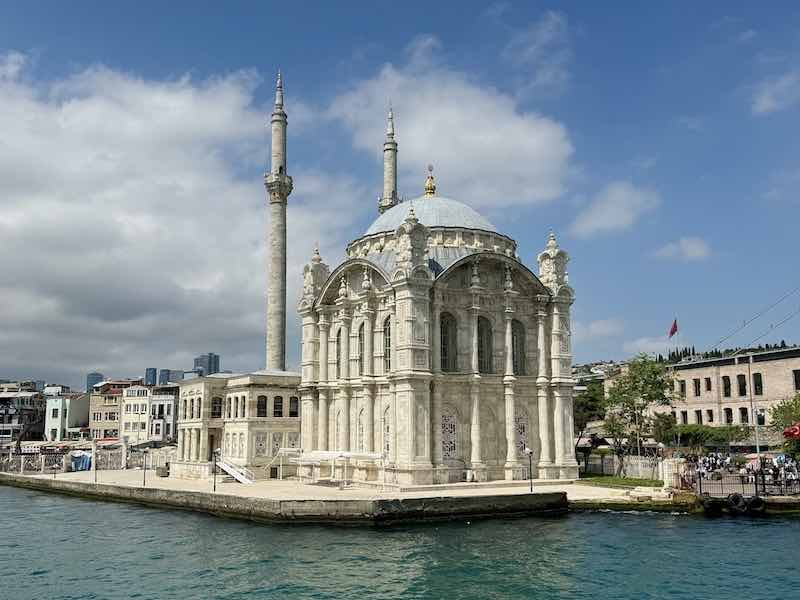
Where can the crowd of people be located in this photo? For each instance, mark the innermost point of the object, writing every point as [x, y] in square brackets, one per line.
[779, 469]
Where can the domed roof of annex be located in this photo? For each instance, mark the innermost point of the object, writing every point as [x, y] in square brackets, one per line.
[432, 211]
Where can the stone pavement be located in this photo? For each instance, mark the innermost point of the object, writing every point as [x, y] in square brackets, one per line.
[294, 490]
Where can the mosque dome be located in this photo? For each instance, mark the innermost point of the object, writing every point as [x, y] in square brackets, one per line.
[432, 211]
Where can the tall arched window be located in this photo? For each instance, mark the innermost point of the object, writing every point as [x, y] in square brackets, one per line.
[261, 406]
[216, 407]
[387, 345]
[484, 345]
[294, 406]
[277, 406]
[449, 342]
[518, 347]
[339, 354]
[361, 349]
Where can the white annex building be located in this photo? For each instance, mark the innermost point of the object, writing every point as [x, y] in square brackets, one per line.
[432, 354]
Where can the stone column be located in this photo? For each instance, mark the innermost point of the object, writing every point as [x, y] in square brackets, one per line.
[542, 384]
[180, 444]
[474, 327]
[508, 389]
[196, 444]
[369, 418]
[322, 442]
[189, 444]
[203, 444]
[558, 412]
[436, 339]
[345, 349]
[475, 426]
[344, 430]
[369, 335]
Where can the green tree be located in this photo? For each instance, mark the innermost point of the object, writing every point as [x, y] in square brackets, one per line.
[645, 385]
[785, 414]
[663, 428]
[588, 405]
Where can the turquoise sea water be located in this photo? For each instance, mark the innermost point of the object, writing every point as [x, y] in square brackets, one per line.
[56, 547]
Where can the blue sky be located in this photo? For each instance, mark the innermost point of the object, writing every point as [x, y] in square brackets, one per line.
[659, 142]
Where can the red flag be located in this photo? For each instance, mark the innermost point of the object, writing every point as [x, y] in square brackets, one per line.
[674, 329]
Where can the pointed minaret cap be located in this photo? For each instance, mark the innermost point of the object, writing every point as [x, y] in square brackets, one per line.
[390, 124]
[430, 183]
[551, 240]
[279, 91]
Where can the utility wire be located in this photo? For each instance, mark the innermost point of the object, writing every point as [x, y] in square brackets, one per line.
[772, 328]
[756, 316]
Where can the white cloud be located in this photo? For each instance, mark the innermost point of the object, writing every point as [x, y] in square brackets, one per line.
[601, 328]
[691, 122]
[686, 249]
[543, 51]
[747, 35]
[133, 224]
[617, 207]
[648, 345]
[777, 93]
[485, 149]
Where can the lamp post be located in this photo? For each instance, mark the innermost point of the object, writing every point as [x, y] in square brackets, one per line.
[529, 452]
[215, 455]
[144, 467]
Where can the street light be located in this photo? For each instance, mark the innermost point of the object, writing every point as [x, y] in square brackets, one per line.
[215, 454]
[529, 452]
[144, 467]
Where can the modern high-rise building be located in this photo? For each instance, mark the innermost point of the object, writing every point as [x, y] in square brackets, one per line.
[166, 376]
[209, 363]
[92, 379]
[150, 376]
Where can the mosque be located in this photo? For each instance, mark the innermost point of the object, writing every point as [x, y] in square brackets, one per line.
[432, 354]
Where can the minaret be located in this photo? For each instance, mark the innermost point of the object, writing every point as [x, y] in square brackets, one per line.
[279, 186]
[389, 198]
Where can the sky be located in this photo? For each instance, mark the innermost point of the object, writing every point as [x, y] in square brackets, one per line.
[659, 142]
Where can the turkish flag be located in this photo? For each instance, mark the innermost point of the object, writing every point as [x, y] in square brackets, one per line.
[674, 329]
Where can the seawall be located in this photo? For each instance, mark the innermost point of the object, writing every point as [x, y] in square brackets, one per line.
[344, 511]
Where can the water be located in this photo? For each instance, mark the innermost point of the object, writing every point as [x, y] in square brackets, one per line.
[59, 548]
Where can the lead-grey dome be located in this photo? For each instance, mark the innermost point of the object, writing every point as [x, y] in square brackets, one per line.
[432, 211]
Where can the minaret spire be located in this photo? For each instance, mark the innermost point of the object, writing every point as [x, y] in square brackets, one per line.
[389, 197]
[279, 186]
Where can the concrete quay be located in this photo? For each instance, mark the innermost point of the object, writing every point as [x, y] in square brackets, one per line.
[291, 501]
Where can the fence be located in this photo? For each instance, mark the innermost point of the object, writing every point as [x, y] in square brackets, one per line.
[721, 484]
[106, 459]
[638, 467]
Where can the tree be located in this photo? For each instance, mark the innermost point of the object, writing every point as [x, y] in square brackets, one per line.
[589, 405]
[785, 414]
[694, 436]
[617, 431]
[644, 385]
[664, 428]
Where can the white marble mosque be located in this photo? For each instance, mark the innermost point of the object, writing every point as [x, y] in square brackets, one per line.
[432, 354]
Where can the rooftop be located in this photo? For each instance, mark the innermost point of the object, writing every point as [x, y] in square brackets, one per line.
[432, 211]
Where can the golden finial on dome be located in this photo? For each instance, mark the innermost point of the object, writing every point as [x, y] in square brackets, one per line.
[430, 184]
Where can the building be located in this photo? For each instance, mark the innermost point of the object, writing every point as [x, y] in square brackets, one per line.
[66, 416]
[735, 390]
[104, 407]
[434, 345]
[150, 376]
[207, 364]
[166, 376]
[22, 411]
[431, 354]
[163, 413]
[147, 414]
[92, 379]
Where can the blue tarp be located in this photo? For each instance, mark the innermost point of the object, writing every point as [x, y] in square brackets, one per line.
[82, 462]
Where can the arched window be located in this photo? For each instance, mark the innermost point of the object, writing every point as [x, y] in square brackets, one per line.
[261, 406]
[184, 408]
[484, 345]
[216, 407]
[294, 407]
[277, 406]
[199, 408]
[228, 407]
[518, 347]
[361, 349]
[449, 342]
[387, 345]
[726, 386]
[339, 354]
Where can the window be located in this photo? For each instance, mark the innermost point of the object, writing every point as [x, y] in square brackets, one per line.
[228, 407]
[169, 407]
[55, 413]
[684, 417]
[484, 345]
[728, 416]
[696, 383]
[97, 416]
[743, 415]
[709, 416]
[741, 383]
[339, 354]
[726, 386]
[166, 429]
[184, 409]
[127, 427]
[158, 428]
[518, 347]
[758, 384]
[261, 406]
[294, 407]
[277, 406]
[387, 345]
[216, 408]
[796, 374]
[448, 331]
[142, 426]
[361, 349]
[761, 418]
[698, 417]
[127, 408]
[683, 388]
[199, 407]
[708, 384]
